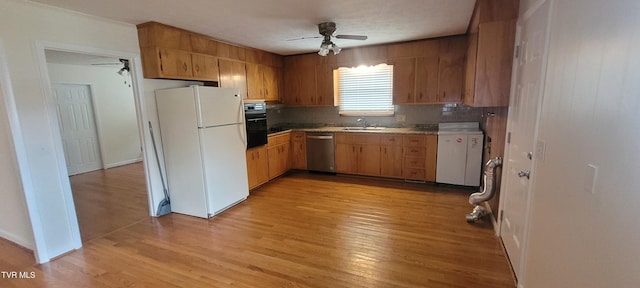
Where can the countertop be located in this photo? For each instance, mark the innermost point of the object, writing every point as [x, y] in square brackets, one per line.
[424, 131]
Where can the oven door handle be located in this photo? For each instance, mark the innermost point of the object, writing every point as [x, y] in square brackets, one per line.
[255, 119]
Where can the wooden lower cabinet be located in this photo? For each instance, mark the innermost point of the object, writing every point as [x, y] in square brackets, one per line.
[357, 153]
[419, 157]
[391, 156]
[257, 166]
[278, 151]
[299, 150]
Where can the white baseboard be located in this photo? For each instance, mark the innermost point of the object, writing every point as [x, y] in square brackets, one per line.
[122, 163]
[16, 239]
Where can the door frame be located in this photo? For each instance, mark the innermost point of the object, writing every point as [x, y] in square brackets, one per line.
[525, 17]
[96, 116]
[141, 115]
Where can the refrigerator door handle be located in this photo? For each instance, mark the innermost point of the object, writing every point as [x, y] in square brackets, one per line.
[242, 128]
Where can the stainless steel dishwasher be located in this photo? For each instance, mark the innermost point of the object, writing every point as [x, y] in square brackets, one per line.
[320, 152]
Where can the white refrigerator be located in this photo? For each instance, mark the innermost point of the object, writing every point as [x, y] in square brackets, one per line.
[204, 143]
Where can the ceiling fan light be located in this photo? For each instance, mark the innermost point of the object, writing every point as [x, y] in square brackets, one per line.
[336, 49]
[324, 51]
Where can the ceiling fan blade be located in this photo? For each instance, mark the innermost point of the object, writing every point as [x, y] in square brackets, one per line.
[302, 38]
[352, 37]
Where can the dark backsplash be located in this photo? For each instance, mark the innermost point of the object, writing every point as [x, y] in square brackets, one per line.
[416, 115]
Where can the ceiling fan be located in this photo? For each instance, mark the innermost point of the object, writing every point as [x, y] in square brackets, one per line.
[328, 30]
[124, 70]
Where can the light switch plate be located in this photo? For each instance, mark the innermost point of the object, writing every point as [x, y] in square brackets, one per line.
[590, 178]
[401, 118]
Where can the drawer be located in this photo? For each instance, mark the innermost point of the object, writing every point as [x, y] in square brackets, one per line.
[413, 174]
[278, 139]
[391, 140]
[415, 151]
[412, 162]
[298, 136]
[415, 140]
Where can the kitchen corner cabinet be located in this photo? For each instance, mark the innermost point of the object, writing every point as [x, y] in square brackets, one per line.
[233, 74]
[357, 153]
[391, 156]
[278, 151]
[489, 63]
[262, 82]
[299, 150]
[257, 166]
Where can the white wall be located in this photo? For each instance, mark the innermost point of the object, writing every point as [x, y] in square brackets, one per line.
[590, 115]
[14, 220]
[30, 26]
[115, 109]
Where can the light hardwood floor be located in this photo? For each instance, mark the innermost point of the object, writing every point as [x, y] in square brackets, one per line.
[107, 200]
[300, 230]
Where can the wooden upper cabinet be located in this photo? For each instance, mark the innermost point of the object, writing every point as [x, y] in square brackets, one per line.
[233, 74]
[255, 82]
[488, 78]
[271, 81]
[324, 81]
[427, 80]
[404, 80]
[300, 81]
[175, 63]
[450, 71]
[263, 82]
[205, 67]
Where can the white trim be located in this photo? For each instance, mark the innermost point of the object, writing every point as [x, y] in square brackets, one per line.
[40, 252]
[122, 163]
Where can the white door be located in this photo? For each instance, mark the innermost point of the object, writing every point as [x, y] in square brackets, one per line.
[522, 126]
[77, 127]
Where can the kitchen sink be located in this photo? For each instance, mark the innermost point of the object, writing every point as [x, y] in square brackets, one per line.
[363, 128]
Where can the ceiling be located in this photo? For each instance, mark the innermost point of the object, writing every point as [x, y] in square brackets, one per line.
[268, 25]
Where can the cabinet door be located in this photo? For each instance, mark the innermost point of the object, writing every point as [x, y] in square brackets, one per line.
[307, 86]
[273, 154]
[285, 152]
[233, 74]
[255, 82]
[175, 63]
[257, 170]
[325, 89]
[346, 158]
[270, 76]
[431, 155]
[470, 69]
[404, 80]
[298, 150]
[369, 160]
[450, 78]
[391, 161]
[205, 67]
[427, 80]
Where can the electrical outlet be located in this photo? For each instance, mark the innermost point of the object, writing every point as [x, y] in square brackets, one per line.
[401, 118]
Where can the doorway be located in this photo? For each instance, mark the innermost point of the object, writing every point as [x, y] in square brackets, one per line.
[522, 126]
[100, 136]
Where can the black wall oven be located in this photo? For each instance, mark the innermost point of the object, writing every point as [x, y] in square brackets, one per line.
[255, 115]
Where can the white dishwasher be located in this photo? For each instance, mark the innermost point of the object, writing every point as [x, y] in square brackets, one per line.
[459, 159]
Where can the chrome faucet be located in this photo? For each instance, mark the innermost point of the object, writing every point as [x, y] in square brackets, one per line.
[364, 122]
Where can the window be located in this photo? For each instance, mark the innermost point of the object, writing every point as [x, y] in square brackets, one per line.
[366, 90]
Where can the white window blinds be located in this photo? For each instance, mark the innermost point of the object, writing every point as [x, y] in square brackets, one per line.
[366, 90]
